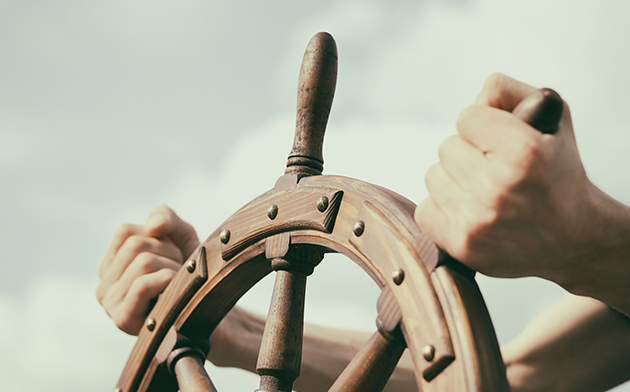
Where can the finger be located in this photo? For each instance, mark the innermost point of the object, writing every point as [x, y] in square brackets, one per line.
[495, 131]
[443, 189]
[144, 264]
[122, 233]
[502, 92]
[463, 162]
[432, 221]
[134, 246]
[163, 222]
[130, 315]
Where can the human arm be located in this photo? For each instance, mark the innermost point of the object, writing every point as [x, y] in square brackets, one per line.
[325, 353]
[509, 201]
[142, 259]
[578, 344]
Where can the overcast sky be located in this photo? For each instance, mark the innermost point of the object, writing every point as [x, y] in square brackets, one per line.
[108, 109]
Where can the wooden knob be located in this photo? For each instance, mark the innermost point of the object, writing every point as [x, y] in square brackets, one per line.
[542, 110]
[316, 89]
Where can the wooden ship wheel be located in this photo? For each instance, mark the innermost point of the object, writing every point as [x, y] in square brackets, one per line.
[429, 304]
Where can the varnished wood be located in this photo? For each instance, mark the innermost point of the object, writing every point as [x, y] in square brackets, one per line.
[316, 89]
[172, 301]
[371, 368]
[229, 279]
[427, 327]
[280, 354]
[297, 210]
[192, 376]
[542, 110]
[436, 308]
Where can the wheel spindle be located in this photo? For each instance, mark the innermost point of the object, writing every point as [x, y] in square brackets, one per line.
[372, 367]
[186, 363]
[280, 356]
[374, 364]
[192, 376]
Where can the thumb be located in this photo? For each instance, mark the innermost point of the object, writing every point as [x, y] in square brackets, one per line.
[164, 222]
[502, 92]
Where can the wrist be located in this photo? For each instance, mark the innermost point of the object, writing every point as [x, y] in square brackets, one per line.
[598, 263]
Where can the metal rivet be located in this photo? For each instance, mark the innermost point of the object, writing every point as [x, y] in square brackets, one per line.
[272, 211]
[151, 323]
[118, 390]
[322, 204]
[398, 276]
[358, 228]
[428, 352]
[225, 236]
[191, 265]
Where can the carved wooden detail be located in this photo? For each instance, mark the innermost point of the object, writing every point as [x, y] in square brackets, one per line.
[430, 304]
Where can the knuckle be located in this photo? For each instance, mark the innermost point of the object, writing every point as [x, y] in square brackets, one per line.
[495, 79]
[102, 269]
[162, 209]
[146, 262]
[124, 321]
[446, 146]
[527, 157]
[100, 293]
[139, 289]
[125, 230]
[431, 175]
[136, 243]
[465, 116]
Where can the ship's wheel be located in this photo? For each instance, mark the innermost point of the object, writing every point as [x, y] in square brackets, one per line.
[429, 304]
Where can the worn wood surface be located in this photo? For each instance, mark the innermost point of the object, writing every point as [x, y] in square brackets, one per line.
[280, 355]
[192, 376]
[430, 303]
[229, 279]
[371, 368]
[316, 89]
[183, 286]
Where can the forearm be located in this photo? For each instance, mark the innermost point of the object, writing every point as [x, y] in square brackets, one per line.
[325, 353]
[578, 344]
[598, 263]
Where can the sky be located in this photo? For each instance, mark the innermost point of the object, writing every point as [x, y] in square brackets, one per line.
[108, 109]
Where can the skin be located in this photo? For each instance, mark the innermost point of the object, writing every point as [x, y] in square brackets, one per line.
[140, 262]
[509, 201]
[505, 200]
[577, 344]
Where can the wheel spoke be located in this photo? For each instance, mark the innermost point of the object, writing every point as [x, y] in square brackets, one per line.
[192, 376]
[370, 369]
[280, 354]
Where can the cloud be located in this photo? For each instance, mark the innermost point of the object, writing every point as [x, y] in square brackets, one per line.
[59, 329]
[110, 109]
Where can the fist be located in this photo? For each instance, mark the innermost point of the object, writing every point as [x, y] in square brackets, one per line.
[505, 199]
[139, 263]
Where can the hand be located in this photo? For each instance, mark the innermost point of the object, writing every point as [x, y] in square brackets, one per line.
[506, 199]
[139, 263]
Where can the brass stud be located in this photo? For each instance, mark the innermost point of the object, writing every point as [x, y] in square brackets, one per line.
[225, 236]
[191, 265]
[398, 276]
[272, 211]
[428, 352]
[358, 228]
[151, 323]
[118, 389]
[322, 204]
